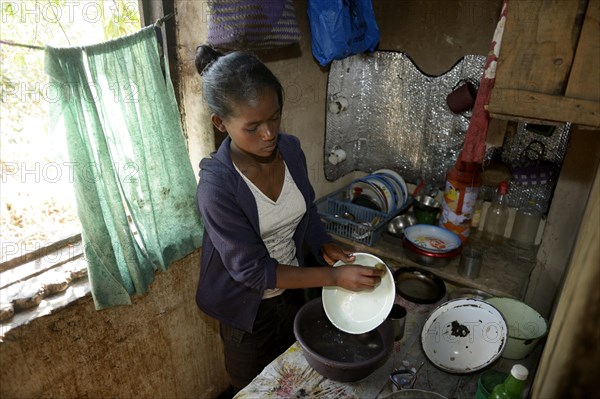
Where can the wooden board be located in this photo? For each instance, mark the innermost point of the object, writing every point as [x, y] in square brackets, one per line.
[512, 104]
[548, 65]
[584, 80]
[572, 352]
[538, 46]
[496, 132]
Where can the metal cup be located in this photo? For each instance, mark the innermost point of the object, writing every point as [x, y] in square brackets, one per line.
[470, 262]
[462, 98]
[397, 317]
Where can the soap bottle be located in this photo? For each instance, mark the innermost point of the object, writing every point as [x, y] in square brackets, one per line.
[496, 217]
[514, 385]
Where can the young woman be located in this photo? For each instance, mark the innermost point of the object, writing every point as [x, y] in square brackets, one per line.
[257, 207]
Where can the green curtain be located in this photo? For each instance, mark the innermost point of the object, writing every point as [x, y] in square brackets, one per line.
[133, 180]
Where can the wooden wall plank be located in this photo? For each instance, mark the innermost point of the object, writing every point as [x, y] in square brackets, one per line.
[511, 104]
[584, 79]
[538, 46]
[569, 363]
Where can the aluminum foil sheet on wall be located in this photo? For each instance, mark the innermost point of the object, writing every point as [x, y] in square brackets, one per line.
[552, 149]
[383, 112]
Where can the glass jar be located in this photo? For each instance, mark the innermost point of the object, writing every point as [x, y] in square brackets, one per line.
[525, 227]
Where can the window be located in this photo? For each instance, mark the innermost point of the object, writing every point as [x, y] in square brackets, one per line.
[39, 224]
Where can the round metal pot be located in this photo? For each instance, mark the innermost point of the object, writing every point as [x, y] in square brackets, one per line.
[335, 354]
[397, 225]
[526, 327]
[425, 258]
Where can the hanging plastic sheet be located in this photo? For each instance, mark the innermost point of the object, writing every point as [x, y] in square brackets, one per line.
[340, 28]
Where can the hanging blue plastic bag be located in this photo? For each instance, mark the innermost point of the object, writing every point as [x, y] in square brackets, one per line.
[340, 28]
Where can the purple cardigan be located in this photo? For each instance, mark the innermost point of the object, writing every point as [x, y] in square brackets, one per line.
[236, 267]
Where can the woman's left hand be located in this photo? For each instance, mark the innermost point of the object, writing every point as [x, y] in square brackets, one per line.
[332, 253]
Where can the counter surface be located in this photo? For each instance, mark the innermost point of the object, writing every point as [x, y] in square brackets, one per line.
[503, 274]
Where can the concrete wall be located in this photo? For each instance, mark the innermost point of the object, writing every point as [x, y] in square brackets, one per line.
[436, 34]
[163, 346]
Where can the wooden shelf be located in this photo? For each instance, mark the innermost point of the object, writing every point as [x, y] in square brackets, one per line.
[548, 65]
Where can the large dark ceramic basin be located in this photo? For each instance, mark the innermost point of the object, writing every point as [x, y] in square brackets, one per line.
[335, 354]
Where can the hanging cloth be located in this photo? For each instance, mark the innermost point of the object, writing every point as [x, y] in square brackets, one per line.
[252, 24]
[474, 146]
[133, 180]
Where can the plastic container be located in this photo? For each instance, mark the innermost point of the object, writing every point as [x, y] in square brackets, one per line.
[513, 386]
[496, 217]
[358, 223]
[525, 228]
[487, 382]
[460, 194]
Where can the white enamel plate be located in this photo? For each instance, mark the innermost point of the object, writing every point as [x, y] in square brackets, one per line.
[361, 311]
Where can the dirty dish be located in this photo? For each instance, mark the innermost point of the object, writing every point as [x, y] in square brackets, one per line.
[464, 335]
[431, 259]
[433, 239]
[387, 189]
[357, 312]
[419, 286]
[525, 326]
[361, 189]
[399, 181]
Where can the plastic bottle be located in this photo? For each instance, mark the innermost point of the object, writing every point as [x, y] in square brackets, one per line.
[497, 216]
[476, 219]
[525, 228]
[513, 386]
[462, 185]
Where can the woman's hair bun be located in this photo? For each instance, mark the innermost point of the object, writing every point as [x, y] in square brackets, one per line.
[205, 55]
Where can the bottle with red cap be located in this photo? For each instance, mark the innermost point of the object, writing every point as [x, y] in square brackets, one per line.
[496, 217]
[513, 386]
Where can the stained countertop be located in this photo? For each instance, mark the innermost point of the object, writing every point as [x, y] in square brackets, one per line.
[505, 270]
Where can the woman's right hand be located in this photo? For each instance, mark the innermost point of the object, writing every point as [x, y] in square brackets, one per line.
[357, 277]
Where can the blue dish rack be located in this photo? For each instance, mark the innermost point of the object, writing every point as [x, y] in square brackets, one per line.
[367, 224]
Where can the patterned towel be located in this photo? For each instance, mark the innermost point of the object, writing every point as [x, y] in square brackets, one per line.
[252, 24]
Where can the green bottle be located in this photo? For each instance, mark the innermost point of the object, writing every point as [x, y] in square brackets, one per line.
[513, 386]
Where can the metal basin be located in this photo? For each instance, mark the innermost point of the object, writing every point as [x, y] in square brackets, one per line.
[397, 225]
[335, 354]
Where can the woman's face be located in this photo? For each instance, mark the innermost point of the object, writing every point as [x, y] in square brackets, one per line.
[253, 127]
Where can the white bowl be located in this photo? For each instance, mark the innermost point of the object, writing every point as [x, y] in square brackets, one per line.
[464, 335]
[525, 326]
[357, 312]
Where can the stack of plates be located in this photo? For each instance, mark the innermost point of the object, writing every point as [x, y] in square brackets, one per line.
[384, 190]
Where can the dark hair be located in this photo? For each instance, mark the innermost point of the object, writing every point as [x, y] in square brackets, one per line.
[233, 78]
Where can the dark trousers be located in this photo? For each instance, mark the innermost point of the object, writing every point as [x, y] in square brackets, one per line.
[247, 354]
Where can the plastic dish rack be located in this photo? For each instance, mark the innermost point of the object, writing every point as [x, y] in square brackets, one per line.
[358, 223]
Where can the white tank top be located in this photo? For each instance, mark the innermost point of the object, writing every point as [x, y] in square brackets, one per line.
[278, 221]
